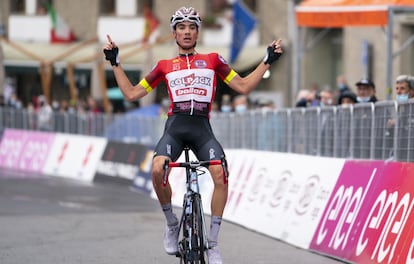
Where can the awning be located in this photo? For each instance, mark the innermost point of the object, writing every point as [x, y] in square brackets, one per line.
[340, 13]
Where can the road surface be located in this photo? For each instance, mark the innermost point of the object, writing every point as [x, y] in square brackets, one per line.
[58, 221]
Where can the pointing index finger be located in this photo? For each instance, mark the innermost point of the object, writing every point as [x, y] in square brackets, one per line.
[278, 42]
[109, 39]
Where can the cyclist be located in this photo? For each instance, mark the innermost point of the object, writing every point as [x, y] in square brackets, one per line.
[190, 78]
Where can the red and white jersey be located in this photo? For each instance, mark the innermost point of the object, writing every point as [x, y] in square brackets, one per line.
[191, 81]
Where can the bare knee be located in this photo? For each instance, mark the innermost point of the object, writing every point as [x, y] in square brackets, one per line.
[158, 170]
[216, 172]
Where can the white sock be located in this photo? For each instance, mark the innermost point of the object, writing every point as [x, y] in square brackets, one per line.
[169, 215]
[214, 230]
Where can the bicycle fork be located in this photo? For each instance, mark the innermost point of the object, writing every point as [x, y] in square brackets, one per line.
[193, 191]
[191, 219]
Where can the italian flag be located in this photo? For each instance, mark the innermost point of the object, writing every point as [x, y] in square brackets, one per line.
[60, 32]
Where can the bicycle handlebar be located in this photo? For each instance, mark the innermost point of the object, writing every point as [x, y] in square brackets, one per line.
[194, 165]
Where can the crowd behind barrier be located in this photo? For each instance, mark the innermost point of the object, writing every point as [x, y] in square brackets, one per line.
[380, 131]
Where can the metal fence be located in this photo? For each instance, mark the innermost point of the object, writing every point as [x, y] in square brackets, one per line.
[381, 131]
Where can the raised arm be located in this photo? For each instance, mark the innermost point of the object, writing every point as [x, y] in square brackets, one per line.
[130, 92]
[245, 85]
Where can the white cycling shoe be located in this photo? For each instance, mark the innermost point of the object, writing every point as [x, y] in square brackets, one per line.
[214, 256]
[171, 239]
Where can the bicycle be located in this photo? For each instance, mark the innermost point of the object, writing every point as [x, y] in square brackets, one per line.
[193, 246]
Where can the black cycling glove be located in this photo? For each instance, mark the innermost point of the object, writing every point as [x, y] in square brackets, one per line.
[271, 55]
[112, 55]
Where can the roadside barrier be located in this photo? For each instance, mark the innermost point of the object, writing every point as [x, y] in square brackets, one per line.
[359, 211]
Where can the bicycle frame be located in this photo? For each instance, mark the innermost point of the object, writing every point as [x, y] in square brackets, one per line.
[194, 242]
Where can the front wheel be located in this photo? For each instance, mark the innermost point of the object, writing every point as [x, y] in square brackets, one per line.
[197, 236]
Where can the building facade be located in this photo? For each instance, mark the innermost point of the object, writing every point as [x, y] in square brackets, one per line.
[27, 45]
[327, 53]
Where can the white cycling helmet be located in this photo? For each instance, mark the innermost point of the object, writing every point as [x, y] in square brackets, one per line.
[183, 14]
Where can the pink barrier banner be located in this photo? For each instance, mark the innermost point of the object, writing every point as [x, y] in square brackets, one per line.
[369, 216]
[25, 150]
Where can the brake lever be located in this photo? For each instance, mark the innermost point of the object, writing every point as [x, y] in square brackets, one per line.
[225, 169]
[165, 177]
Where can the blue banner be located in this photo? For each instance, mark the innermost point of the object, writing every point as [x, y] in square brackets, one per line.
[244, 22]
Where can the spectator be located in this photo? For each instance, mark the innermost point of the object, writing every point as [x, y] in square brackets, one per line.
[309, 97]
[327, 98]
[55, 106]
[9, 90]
[44, 114]
[240, 104]
[63, 106]
[347, 98]
[93, 106]
[265, 104]
[411, 91]
[2, 100]
[314, 96]
[15, 102]
[302, 98]
[404, 88]
[366, 91]
[342, 85]
[225, 104]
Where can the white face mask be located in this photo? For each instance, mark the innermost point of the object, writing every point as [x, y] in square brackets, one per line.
[402, 98]
[341, 87]
[363, 99]
[225, 109]
[240, 108]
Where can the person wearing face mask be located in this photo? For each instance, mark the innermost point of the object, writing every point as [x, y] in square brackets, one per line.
[404, 88]
[226, 104]
[366, 91]
[404, 91]
[342, 85]
[327, 98]
[240, 104]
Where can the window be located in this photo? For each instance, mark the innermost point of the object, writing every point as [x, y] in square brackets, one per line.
[17, 6]
[107, 7]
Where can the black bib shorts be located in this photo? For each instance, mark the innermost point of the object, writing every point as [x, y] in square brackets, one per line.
[192, 131]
